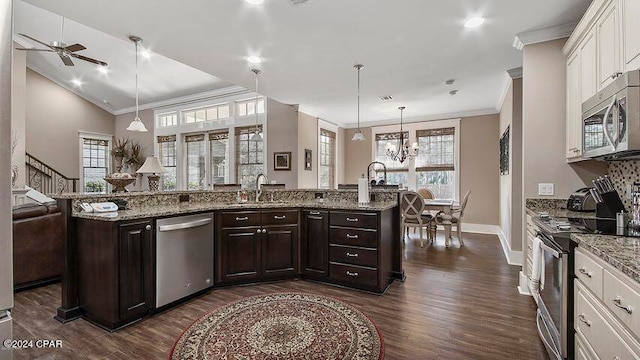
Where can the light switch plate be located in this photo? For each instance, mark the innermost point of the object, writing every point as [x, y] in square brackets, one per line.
[545, 189]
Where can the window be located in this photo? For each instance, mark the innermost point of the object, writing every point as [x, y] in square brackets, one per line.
[397, 173]
[167, 157]
[249, 157]
[196, 168]
[165, 120]
[206, 114]
[327, 159]
[95, 165]
[435, 162]
[219, 158]
[247, 107]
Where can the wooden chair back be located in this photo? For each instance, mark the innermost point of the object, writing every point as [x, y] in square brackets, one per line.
[426, 193]
[411, 205]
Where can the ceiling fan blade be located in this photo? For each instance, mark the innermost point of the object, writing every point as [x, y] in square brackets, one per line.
[36, 40]
[35, 49]
[75, 47]
[97, 62]
[66, 60]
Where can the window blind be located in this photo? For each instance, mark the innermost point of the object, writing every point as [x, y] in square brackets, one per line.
[436, 150]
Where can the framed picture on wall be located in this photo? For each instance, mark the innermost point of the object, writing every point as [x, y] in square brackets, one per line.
[282, 160]
[307, 159]
[504, 152]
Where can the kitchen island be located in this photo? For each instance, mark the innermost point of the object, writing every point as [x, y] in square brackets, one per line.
[322, 235]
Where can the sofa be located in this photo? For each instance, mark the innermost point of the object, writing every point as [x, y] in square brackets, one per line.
[37, 245]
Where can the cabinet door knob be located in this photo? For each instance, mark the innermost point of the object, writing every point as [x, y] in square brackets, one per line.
[264, 231]
[148, 227]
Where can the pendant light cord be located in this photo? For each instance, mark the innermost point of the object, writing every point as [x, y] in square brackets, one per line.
[256, 104]
[358, 99]
[137, 80]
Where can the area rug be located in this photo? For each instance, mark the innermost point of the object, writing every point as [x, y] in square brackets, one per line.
[281, 326]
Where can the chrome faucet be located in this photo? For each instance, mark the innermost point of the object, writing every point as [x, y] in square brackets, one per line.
[258, 185]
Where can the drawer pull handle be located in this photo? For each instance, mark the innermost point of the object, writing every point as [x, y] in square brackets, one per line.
[352, 219]
[314, 212]
[349, 236]
[242, 218]
[352, 255]
[352, 273]
[584, 320]
[280, 217]
[530, 248]
[585, 272]
[618, 302]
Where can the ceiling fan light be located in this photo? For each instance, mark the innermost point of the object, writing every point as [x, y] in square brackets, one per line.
[358, 136]
[137, 125]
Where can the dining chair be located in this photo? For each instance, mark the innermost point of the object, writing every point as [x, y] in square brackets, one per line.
[455, 218]
[412, 212]
[426, 193]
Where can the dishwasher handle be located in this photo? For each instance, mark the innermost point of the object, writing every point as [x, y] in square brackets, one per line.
[185, 225]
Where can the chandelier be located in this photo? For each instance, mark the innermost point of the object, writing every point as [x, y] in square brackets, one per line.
[403, 151]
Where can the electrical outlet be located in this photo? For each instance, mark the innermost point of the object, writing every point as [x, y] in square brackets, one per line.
[545, 189]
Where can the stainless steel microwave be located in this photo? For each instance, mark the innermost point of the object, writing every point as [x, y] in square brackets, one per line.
[611, 120]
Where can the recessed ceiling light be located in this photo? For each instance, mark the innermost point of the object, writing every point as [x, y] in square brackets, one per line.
[449, 82]
[145, 54]
[474, 22]
[453, 92]
[386, 98]
[76, 82]
[255, 2]
[254, 60]
[103, 70]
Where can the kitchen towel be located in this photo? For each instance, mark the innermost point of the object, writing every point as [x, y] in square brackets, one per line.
[363, 191]
[536, 268]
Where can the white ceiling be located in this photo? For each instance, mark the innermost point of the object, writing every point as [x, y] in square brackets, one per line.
[409, 48]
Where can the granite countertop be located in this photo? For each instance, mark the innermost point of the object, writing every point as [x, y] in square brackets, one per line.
[621, 252]
[557, 208]
[187, 208]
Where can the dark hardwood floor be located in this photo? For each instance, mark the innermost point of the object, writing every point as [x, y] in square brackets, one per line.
[457, 303]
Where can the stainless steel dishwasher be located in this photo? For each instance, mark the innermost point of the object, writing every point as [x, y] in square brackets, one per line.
[184, 256]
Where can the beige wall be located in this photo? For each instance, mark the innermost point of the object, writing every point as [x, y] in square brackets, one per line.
[544, 128]
[511, 184]
[479, 168]
[18, 110]
[145, 138]
[282, 135]
[308, 139]
[357, 155]
[340, 155]
[54, 116]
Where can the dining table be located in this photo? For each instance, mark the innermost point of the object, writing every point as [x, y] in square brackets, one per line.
[444, 205]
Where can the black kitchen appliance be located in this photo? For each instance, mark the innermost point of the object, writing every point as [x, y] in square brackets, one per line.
[581, 200]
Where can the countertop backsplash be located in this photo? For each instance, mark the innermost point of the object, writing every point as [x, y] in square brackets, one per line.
[624, 173]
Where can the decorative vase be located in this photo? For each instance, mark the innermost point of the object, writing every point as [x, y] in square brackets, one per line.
[118, 164]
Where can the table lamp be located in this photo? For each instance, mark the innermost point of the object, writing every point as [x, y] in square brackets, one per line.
[152, 166]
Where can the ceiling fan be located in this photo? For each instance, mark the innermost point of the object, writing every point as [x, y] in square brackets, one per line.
[64, 52]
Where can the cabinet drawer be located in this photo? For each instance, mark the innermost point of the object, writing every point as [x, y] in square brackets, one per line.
[353, 255]
[280, 217]
[598, 332]
[623, 301]
[353, 274]
[582, 350]
[589, 272]
[353, 219]
[240, 218]
[354, 237]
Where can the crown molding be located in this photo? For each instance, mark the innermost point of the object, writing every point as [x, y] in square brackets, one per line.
[547, 34]
[589, 18]
[395, 121]
[515, 73]
[506, 84]
[312, 112]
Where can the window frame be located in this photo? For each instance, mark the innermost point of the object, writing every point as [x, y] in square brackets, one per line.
[94, 136]
[412, 128]
[236, 134]
[332, 166]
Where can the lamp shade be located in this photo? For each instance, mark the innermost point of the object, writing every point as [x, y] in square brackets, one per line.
[151, 166]
[137, 125]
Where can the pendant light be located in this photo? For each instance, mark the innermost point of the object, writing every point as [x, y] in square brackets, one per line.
[358, 135]
[136, 124]
[256, 136]
[403, 152]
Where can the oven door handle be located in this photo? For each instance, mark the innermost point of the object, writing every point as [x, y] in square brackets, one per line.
[544, 339]
[551, 250]
[608, 136]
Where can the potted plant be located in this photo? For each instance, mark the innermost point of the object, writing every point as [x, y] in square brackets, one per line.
[120, 151]
[135, 157]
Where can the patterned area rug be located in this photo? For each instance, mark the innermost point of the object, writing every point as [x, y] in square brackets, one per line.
[281, 326]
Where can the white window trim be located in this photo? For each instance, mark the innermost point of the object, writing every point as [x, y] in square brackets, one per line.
[322, 124]
[97, 136]
[424, 125]
[159, 114]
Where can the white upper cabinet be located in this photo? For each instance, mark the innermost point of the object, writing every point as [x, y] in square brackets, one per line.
[588, 60]
[631, 33]
[608, 49]
[574, 104]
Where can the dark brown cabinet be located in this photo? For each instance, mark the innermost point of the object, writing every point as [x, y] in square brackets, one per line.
[115, 271]
[257, 245]
[315, 244]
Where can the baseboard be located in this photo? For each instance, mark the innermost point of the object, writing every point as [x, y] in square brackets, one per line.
[523, 286]
[513, 257]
